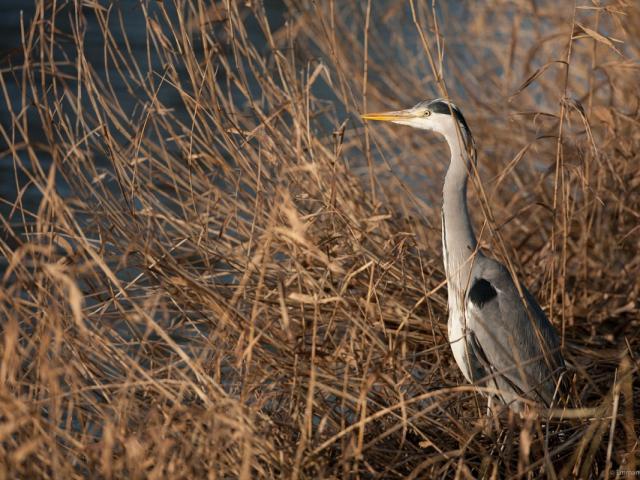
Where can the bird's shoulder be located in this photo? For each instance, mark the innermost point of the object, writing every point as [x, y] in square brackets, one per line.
[497, 305]
[489, 278]
[493, 293]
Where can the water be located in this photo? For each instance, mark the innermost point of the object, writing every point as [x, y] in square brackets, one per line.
[14, 182]
[16, 17]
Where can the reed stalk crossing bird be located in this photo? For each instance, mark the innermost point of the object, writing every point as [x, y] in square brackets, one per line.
[499, 335]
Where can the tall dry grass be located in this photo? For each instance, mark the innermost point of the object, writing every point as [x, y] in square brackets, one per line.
[228, 275]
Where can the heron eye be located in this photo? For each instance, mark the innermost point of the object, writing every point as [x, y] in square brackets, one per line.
[427, 113]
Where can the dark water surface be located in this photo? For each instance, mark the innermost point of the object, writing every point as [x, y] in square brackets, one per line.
[15, 18]
[14, 13]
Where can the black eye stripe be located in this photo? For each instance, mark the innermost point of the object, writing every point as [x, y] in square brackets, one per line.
[442, 106]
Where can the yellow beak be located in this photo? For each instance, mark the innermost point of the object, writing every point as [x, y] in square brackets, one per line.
[389, 116]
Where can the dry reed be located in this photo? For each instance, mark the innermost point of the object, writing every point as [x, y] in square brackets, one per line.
[228, 275]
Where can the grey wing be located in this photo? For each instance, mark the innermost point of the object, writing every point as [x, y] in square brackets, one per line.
[516, 344]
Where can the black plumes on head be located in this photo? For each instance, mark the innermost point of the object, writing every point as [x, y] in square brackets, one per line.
[441, 105]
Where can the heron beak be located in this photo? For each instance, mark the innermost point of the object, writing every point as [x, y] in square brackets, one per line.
[389, 116]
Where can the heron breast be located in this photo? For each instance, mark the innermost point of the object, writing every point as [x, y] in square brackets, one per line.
[458, 342]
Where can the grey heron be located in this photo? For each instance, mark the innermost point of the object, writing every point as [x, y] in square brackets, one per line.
[500, 337]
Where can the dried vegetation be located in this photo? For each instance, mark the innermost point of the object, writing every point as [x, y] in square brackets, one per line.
[228, 275]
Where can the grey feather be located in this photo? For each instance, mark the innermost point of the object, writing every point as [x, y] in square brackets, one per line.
[518, 342]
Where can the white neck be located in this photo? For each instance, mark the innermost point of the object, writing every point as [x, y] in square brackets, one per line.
[458, 240]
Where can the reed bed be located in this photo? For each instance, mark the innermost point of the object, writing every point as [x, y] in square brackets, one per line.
[227, 274]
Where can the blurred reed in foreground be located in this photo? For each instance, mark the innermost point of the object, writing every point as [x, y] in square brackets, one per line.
[228, 275]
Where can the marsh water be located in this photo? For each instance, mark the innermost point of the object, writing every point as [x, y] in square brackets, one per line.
[15, 18]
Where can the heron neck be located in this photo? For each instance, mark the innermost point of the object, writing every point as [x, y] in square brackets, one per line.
[458, 239]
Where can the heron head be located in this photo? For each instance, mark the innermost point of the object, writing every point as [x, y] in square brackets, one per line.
[438, 115]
